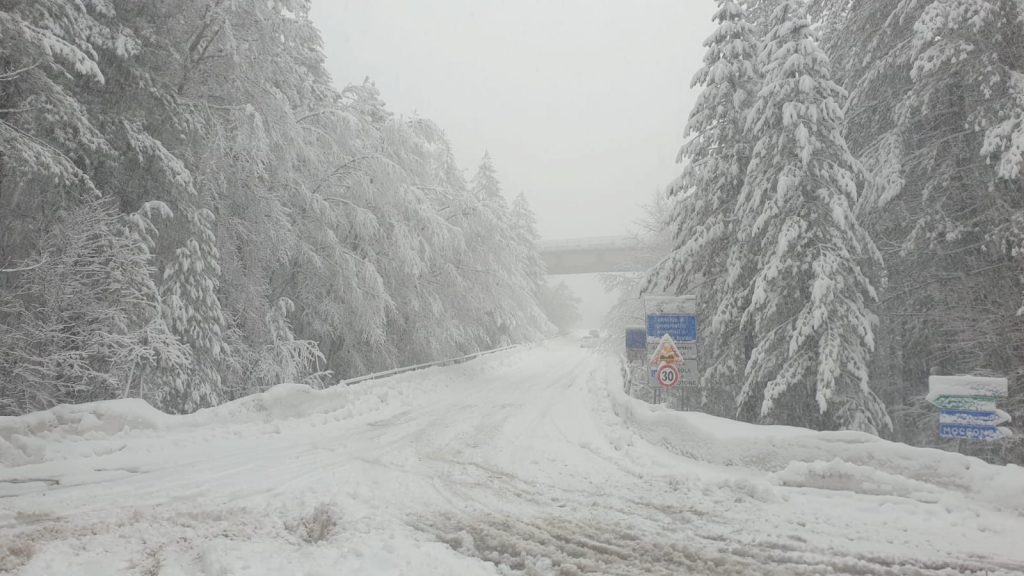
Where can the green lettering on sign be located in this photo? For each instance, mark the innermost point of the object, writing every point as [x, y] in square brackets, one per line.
[972, 403]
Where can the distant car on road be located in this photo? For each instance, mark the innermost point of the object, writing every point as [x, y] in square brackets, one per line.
[591, 339]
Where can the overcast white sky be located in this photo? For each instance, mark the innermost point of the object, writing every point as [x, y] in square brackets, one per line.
[582, 103]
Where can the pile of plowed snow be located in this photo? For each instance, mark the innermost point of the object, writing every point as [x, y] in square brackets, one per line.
[851, 461]
[44, 436]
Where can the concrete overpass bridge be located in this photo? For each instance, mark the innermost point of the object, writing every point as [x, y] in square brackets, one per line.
[593, 255]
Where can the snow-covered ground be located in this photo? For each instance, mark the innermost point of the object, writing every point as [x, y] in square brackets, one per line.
[530, 461]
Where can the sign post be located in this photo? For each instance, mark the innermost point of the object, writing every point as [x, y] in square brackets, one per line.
[636, 356]
[968, 406]
[671, 325]
[636, 339]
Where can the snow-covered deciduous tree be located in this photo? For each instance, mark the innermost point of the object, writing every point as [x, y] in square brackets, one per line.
[510, 295]
[313, 232]
[815, 267]
[283, 357]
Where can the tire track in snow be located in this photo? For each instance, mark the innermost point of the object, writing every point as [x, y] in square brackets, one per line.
[500, 517]
[516, 460]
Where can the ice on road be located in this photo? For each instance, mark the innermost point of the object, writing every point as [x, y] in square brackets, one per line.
[530, 461]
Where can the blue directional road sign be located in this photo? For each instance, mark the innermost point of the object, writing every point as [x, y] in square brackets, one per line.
[967, 432]
[971, 418]
[680, 327]
[636, 339]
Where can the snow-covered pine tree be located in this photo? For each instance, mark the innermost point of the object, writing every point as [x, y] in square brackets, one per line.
[809, 299]
[187, 260]
[531, 268]
[561, 306]
[505, 290]
[193, 311]
[703, 200]
[965, 105]
[759, 12]
[524, 227]
[48, 140]
[487, 187]
[933, 116]
[487, 262]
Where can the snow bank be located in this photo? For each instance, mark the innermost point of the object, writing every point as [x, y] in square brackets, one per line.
[841, 475]
[290, 401]
[36, 437]
[851, 461]
[22, 438]
[106, 417]
[44, 436]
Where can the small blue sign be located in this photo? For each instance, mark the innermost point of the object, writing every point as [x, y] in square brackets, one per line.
[970, 418]
[680, 327]
[636, 339]
[966, 432]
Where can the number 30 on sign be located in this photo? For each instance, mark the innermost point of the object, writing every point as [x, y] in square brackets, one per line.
[667, 375]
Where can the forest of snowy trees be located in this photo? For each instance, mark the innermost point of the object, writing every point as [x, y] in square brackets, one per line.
[190, 212]
[851, 210]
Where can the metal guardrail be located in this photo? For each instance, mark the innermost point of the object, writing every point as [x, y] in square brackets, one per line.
[447, 362]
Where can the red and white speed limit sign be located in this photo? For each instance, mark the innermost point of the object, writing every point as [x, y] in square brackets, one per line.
[667, 375]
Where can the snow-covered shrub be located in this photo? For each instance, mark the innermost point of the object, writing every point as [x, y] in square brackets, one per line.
[318, 525]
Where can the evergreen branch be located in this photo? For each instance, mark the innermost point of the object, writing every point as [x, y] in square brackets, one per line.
[17, 110]
[7, 76]
[25, 268]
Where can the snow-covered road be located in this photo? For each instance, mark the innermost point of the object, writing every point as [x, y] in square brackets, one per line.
[530, 461]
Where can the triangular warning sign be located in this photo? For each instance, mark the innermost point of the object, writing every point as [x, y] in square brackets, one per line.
[666, 353]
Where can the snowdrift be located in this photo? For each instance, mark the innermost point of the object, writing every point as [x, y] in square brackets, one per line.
[51, 434]
[785, 456]
[532, 459]
[850, 461]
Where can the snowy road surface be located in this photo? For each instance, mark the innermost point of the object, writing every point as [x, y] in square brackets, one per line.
[526, 462]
